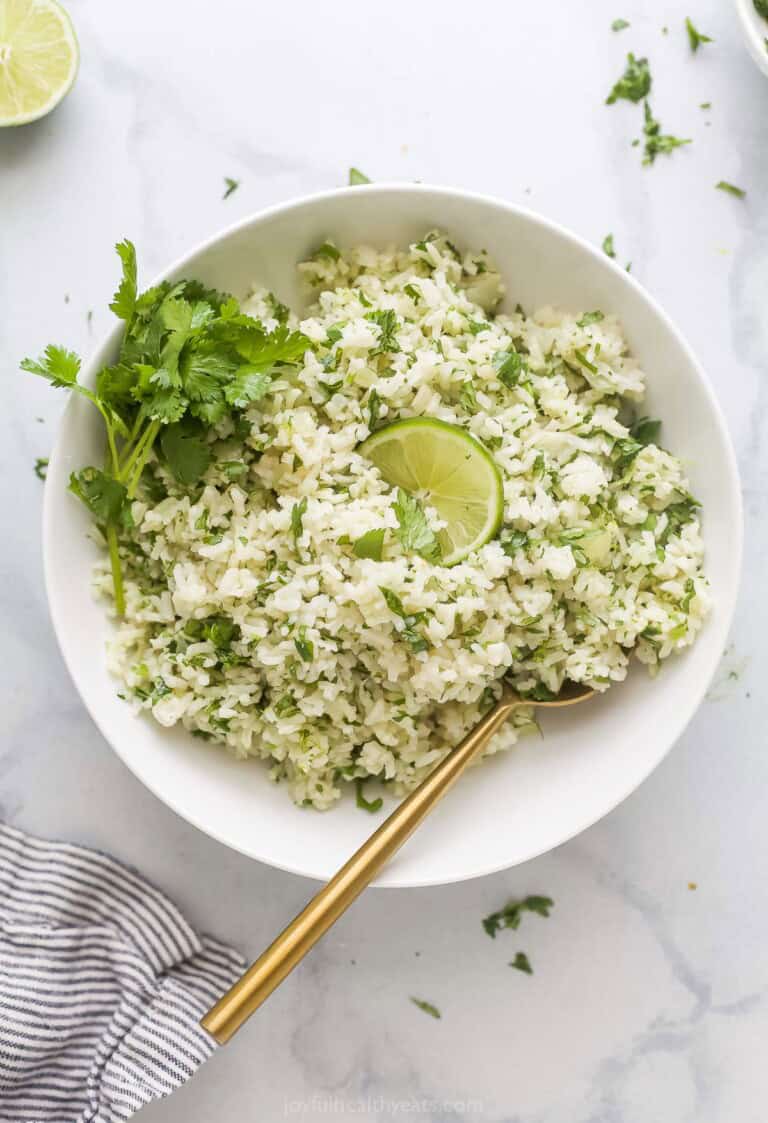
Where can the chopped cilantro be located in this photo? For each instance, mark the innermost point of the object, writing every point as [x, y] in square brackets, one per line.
[326, 252]
[695, 38]
[678, 515]
[413, 530]
[364, 804]
[231, 185]
[386, 321]
[512, 913]
[512, 541]
[608, 245]
[635, 82]
[509, 366]
[619, 24]
[41, 467]
[427, 1007]
[521, 962]
[413, 291]
[356, 177]
[370, 545]
[298, 511]
[304, 646]
[706, 105]
[731, 188]
[655, 141]
[646, 431]
[584, 361]
[415, 640]
[590, 318]
[468, 396]
[374, 408]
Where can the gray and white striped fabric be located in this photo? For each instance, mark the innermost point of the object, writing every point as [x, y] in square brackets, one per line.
[102, 984]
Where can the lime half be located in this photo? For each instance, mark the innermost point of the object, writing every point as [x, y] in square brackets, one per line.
[451, 471]
[38, 59]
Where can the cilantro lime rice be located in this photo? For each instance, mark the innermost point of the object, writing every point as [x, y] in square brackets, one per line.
[294, 606]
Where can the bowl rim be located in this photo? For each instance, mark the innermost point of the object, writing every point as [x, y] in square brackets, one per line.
[751, 31]
[726, 604]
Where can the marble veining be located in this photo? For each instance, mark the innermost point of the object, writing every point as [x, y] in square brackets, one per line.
[649, 999]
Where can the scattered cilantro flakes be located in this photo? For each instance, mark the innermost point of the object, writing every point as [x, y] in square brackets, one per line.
[521, 962]
[427, 1007]
[695, 38]
[41, 467]
[619, 24]
[590, 318]
[635, 82]
[370, 545]
[512, 913]
[364, 804]
[607, 246]
[655, 141]
[231, 185]
[356, 177]
[731, 189]
[415, 534]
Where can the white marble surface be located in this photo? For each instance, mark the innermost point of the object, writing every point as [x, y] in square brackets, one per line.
[650, 1000]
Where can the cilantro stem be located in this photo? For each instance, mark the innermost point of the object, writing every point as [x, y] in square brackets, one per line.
[117, 572]
[138, 462]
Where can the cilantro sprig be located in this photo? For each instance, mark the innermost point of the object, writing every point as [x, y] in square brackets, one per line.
[188, 358]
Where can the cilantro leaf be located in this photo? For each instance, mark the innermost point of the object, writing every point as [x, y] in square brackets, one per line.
[105, 497]
[512, 913]
[230, 185]
[414, 532]
[655, 141]
[356, 177]
[364, 804]
[248, 385]
[731, 189]
[678, 515]
[59, 366]
[374, 407]
[427, 1007]
[280, 346]
[410, 619]
[695, 38]
[646, 431]
[619, 24]
[608, 246]
[370, 545]
[635, 82]
[41, 467]
[124, 301]
[521, 962]
[186, 451]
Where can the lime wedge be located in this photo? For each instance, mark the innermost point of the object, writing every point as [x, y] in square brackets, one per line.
[446, 467]
[38, 59]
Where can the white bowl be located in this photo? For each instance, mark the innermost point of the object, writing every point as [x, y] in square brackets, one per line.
[755, 31]
[518, 804]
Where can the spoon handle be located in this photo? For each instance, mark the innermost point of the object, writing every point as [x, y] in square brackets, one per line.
[325, 908]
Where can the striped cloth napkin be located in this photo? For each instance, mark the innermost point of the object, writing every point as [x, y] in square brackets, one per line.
[102, 985]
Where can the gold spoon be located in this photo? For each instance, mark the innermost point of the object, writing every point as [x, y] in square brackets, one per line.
[325, 908]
